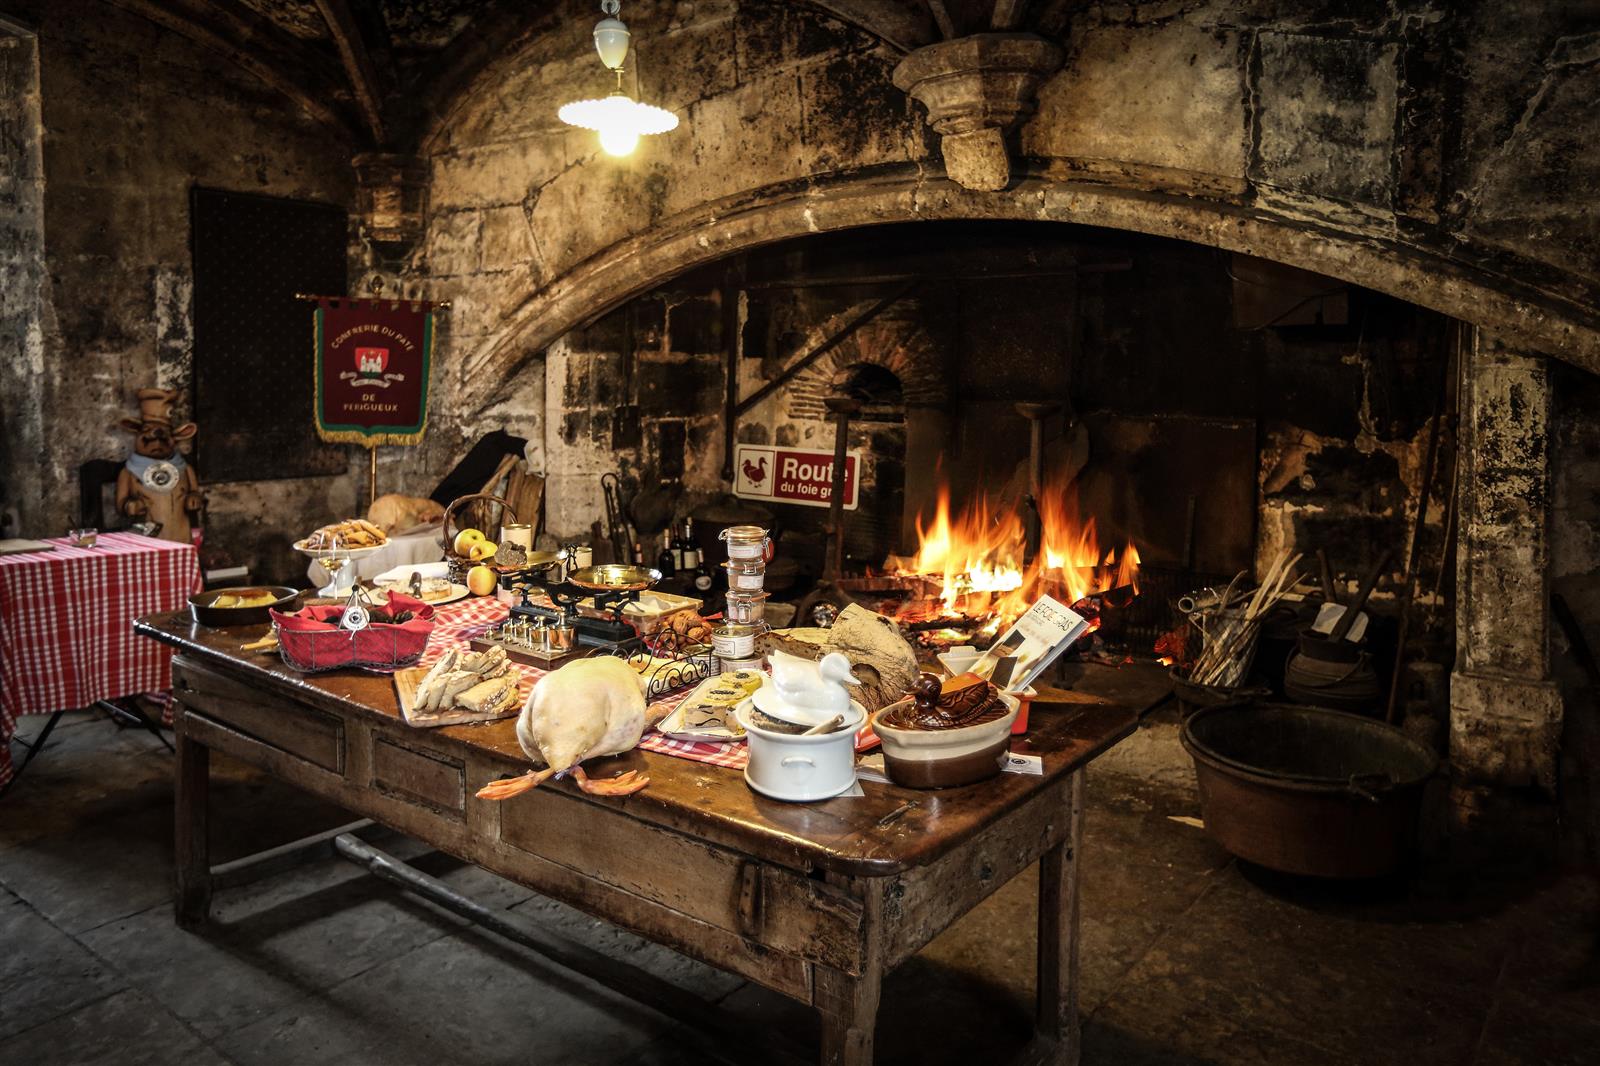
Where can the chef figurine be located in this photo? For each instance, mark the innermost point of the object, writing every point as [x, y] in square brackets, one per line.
[156, 485]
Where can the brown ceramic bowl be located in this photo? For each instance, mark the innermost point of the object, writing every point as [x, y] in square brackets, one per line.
[201, 609]
[945, 758]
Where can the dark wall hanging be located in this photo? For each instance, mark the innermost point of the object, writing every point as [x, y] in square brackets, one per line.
[253, 361]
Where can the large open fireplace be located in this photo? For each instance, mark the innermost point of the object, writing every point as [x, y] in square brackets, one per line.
[1112, 419]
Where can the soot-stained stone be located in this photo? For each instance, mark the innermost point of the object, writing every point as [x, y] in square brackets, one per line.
[679, 387]
[1342, 472]
[695, 325]
[853, 113]
[776, 33]
[1326, 117]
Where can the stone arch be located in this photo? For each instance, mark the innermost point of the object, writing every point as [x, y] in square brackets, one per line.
[906, 192]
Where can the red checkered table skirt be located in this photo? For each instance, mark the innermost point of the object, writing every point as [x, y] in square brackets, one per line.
[66, 624]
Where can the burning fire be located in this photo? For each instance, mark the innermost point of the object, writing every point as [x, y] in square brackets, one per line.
[977, 557]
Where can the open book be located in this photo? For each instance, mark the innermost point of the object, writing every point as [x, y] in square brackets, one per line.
[1033, 642]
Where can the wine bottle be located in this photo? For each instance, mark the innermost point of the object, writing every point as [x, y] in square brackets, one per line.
[691, 550]
[666, 562]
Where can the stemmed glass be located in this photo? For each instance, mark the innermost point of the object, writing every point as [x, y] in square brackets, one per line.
[334, 561]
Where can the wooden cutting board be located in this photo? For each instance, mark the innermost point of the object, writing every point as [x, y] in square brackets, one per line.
[405, 687]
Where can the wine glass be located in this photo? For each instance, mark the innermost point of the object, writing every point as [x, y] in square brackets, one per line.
[335, 560]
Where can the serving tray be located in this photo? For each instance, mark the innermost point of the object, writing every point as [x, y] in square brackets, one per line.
[405, 687]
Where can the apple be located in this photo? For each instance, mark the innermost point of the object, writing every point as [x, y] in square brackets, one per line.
[466, 539]
[482, 550]
[481, 580]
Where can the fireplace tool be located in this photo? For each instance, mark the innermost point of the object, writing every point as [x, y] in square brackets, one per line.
[825, 602]
[1035, 413]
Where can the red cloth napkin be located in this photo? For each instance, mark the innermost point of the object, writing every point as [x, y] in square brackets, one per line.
[311, 640]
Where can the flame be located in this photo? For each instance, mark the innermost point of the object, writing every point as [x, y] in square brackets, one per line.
[977, 557]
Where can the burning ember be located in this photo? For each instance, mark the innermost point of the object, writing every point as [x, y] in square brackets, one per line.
[976, 561]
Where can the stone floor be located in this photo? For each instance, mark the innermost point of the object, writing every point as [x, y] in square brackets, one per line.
[1188, 957]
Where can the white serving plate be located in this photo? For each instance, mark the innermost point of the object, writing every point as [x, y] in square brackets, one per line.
[673, 724]
[457, 592]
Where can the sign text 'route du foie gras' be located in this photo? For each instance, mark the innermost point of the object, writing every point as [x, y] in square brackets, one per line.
[792, 475]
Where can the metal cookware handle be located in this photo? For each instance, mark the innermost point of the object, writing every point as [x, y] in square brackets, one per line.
[797, 760]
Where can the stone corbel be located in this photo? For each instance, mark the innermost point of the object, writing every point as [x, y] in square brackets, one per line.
[391, 196]
[977, 89]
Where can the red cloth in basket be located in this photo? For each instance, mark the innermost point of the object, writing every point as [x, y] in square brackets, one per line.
[311, 640]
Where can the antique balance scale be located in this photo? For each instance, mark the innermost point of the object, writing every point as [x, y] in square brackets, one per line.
[541, 633]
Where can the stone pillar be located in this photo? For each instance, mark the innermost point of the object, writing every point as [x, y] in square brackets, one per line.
[1505, 710]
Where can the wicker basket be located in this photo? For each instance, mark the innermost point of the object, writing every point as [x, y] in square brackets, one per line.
[480, 501]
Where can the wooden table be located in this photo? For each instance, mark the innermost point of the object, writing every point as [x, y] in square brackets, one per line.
[816, 901]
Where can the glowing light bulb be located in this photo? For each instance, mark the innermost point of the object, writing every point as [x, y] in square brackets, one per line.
[619, 140]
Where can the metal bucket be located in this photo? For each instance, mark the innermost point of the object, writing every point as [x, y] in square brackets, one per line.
[1306, 790]
[1336, 674]
[1192, 695]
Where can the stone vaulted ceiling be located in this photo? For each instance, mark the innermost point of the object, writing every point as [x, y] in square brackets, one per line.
[378, 68]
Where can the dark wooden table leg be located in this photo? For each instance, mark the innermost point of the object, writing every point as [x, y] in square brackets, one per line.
[849, 1004]
[192, 903]
[1056, 1024]
[849, 1009]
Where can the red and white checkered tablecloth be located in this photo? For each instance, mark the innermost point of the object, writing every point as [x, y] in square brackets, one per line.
[455, 624]
[66, 624]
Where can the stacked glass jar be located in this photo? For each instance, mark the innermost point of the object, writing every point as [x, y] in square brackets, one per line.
[736, 641]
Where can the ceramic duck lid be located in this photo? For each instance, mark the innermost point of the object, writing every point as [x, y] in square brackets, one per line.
[804, 692]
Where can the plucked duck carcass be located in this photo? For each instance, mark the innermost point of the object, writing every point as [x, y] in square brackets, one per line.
[585, 710]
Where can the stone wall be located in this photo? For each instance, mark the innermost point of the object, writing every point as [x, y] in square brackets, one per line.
[22, 272]
[134, 115]
[1438, 153]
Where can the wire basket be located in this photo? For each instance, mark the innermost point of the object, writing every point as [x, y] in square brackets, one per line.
[459, 564]
[382, 646]
[666, 665]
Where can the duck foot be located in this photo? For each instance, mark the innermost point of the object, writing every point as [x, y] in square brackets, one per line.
[507, 787]
[621, 785]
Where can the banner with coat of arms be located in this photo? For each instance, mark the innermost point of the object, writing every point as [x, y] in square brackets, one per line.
[372, 361]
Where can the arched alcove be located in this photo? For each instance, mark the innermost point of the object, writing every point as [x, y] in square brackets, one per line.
[899, 194]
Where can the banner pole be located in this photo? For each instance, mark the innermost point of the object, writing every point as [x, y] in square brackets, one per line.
[372, 476]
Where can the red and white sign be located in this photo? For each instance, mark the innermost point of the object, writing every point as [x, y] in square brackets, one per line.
[792, 475]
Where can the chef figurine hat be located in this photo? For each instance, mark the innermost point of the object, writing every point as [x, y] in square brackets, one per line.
[155, 405]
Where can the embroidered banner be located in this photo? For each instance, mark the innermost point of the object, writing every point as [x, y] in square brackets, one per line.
[372, 370]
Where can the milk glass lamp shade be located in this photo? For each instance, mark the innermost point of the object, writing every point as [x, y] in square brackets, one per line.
[619, 119]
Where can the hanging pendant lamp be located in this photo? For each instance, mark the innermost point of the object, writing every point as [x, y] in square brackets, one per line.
[618, 118]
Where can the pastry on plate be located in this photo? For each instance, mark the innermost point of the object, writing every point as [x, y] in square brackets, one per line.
[351, 533]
